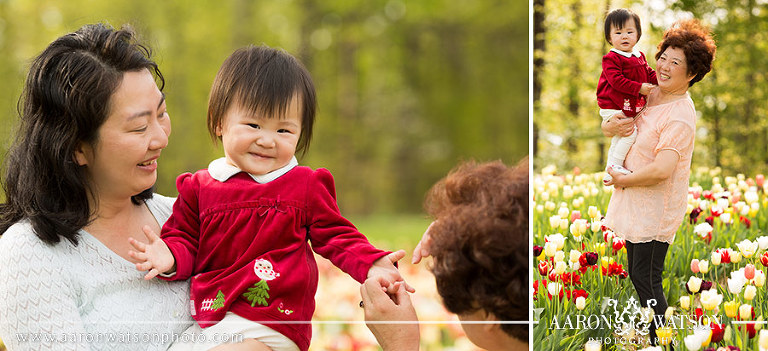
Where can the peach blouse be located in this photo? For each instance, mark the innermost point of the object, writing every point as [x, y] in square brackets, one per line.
[644, 213]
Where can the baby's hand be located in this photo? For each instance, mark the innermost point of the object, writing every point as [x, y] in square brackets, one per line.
[154, 257]
[385, 268]
[645, 89]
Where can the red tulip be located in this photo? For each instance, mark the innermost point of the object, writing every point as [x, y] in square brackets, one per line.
[764, 259]
[694, 216]
[707, 194]
[579, 293]
[759, 180]
[718, 332]
[746, 221]
[618, 243]
[537, 250]
[553, 276]
[543, 267]
[725, 256]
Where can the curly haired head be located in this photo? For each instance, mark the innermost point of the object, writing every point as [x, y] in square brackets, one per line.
[695, 39]
[480, 241]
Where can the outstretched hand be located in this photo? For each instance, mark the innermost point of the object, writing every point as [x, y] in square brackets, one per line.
[154, 256]
[381, 308]
[423, 248]
[385, 268]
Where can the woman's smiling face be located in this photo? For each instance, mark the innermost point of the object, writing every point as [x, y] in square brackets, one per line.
[123, 161]
[672, 71]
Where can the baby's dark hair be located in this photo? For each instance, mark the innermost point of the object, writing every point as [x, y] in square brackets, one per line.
[617, 18]
[263, 80]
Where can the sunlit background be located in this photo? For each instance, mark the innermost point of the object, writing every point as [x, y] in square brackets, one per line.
[407, 89]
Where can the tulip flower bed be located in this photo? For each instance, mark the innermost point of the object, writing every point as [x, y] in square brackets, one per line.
[713, 278]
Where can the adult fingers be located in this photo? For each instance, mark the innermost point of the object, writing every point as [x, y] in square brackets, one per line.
[422, 249]
[402, 298]
[374, 294]
[417, 254]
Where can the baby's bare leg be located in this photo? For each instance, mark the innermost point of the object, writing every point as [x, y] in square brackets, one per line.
[246, 345]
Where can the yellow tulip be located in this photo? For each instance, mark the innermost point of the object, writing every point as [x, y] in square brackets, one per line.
[593, 345]
[763, 339]
[745, 312]
[574, 256]
[665, 335]
[554, 221]
[715, 258]
[685, 302]
[704, 266]
[560, 267]
[731, 308]
[592, 212]
[750, 292]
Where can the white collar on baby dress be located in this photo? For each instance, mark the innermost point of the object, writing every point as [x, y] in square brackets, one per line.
[634, 52]
[220, 170]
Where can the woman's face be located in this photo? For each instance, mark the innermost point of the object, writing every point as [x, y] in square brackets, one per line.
[123, 160]
[672, 71]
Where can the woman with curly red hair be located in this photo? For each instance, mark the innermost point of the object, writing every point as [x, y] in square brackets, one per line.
[479, 242]
[661, 160]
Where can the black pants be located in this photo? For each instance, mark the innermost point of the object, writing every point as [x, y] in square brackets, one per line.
[645, 263]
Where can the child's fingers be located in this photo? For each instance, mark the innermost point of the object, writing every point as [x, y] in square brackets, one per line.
[151, 274]
[138, 256]
[408, 287]
[144, 266]
[150, 234]
[138, 245]
[396, 256]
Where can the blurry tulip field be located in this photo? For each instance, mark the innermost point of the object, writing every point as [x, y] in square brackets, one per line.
[714, 274]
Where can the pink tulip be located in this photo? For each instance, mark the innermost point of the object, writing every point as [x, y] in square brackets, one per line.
[695, 266]
[575, 215]
[749, 271]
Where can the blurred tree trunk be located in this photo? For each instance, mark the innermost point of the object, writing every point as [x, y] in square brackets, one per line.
[539, 50]
[601, 160]
[571, 54]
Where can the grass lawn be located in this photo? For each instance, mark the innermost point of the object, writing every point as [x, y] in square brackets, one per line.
[392, 232]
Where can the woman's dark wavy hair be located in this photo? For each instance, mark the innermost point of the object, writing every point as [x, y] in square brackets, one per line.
[695, 39]
[66, 98]
[480, 241]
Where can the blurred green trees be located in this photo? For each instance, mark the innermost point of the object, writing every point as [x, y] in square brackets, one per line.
[732, 129]
[406, 89]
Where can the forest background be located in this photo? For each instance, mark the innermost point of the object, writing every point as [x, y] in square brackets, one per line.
[406, 89]
[731, 102]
